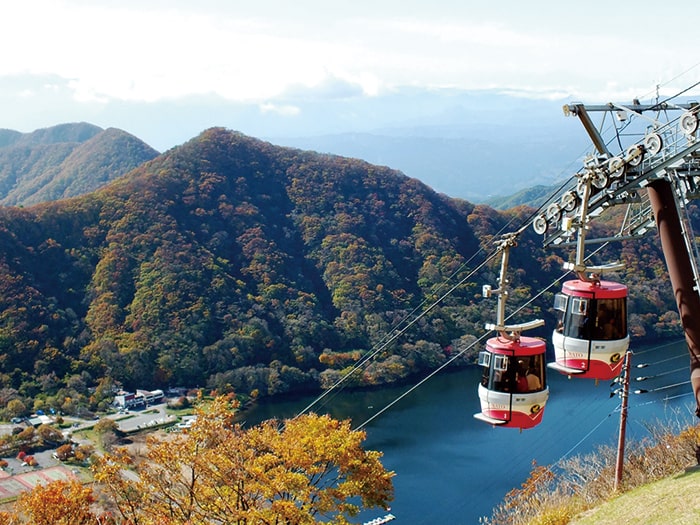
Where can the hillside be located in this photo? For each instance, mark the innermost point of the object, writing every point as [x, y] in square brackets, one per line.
[534, 196]
[669, 501]
[64, 161]
[231, 263]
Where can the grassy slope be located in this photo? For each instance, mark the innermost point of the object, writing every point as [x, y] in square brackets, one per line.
[669, 501]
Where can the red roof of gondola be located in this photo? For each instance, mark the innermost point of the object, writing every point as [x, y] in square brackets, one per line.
[599, 290]
[526, 346]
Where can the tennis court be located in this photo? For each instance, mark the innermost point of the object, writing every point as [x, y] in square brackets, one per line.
[13, 486]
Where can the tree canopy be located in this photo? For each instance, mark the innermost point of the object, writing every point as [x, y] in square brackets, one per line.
[309, 469]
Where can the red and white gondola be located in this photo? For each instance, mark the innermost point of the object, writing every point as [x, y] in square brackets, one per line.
[513, 391]
[590, 339]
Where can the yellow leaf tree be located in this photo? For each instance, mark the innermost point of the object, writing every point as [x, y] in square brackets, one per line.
[58, 503]
[304, 470]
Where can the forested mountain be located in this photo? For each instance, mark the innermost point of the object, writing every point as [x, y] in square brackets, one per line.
[231, 263]
[64, 161]
[535, 196]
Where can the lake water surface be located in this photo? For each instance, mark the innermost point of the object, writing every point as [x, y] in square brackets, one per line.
[453, 469]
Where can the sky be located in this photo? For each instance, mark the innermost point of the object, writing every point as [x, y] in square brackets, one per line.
[166, 70]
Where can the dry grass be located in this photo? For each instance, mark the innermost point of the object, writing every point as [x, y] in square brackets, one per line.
[668, 501]
[557, 495]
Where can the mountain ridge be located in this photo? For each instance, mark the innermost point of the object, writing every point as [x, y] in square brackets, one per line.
[64, 161]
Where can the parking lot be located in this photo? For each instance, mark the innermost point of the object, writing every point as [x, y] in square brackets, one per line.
[142, 419]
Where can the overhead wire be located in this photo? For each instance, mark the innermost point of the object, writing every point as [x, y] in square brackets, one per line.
[661, 374]
[656, 348]
[394, 334]
[588, 434]
[666, 387]
[672, 358]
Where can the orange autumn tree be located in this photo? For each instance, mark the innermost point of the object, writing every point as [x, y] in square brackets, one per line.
[307, 469]
[58, 503]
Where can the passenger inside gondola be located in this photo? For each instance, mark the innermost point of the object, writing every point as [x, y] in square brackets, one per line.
[609, 329]
[522, 377]
[533, 380]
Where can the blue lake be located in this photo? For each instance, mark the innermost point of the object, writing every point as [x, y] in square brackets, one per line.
[453, 469]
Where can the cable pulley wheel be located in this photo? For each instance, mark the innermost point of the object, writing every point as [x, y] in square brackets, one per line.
[569, 201]
[599, 179]
[634, 155]
[553, 212]
[653, 143]
[540, 224]
[616, 167]
[689, 122]
[581, 188]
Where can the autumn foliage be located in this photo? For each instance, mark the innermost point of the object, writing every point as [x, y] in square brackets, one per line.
[234, 264]
[306, 470]
[58, 503]
[294, 472]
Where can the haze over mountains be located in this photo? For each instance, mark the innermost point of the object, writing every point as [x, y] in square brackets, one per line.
[452, 140]
[481, 148]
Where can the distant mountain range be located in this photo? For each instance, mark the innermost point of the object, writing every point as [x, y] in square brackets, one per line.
[480, 148]
[64, 161]
[240, 265]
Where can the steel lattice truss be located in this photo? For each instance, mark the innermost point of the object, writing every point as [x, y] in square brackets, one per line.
[634, 146]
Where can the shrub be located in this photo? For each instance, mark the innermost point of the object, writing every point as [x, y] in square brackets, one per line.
[554, 495]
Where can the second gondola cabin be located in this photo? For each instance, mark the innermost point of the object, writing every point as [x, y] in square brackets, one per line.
[590, 339]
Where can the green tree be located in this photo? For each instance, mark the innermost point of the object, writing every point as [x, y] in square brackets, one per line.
[15, 408]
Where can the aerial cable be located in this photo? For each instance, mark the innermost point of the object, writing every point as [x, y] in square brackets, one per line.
[644, 365]
[459, 270]
[668, 398]
[616, 409]
[661, 374]
[422, 381]
[681, 92]
[679, 75]
[663, 399]
[584, 438]
[659, 389]
[654, 348]
[396, 334]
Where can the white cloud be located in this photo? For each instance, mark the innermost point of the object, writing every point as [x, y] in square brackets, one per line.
[284, 110]
[259, 52]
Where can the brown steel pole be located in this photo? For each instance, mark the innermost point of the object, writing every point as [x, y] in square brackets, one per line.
[680, 270]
